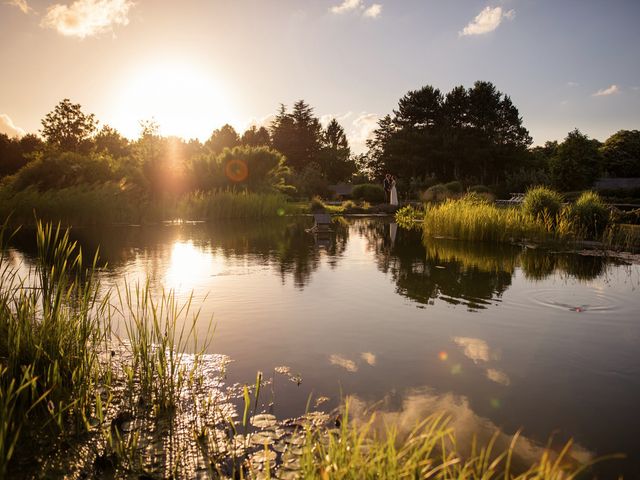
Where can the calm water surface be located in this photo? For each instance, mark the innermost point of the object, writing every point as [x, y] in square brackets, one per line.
[505, 337]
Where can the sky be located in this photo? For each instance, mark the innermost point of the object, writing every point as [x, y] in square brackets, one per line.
[194, 65]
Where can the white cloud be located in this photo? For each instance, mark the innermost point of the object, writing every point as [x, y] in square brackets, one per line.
[373, 11]
[346, 6]
[487, 21]
[85, 18]
[8, 127]
[611, 90]
[362, 129]
[573, 84]
[22, 5]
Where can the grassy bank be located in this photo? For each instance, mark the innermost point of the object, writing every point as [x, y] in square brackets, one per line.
[79, 401]
[107, 204]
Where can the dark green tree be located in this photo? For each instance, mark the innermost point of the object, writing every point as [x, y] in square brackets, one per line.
[577, 162]
[256, 137]
[224, 137]
[109, 140]
[621, 154]
[298, 135]
[68, 128]
[15, 153]
[335, 155]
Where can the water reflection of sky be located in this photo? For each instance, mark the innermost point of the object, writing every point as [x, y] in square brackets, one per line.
[522, 338]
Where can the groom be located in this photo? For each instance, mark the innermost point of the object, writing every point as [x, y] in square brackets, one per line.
[386, 184]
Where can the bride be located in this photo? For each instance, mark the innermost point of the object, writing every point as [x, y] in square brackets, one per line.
[394, 192]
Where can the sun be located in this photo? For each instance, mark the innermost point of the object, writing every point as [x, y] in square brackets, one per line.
[182, 99]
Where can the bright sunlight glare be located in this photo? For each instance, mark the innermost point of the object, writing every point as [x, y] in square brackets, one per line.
[183, 100]
[189, 266]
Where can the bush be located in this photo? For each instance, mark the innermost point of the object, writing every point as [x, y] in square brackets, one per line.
[369, 192]
[479, 189]
[455, 187]
[589, 215]
[541, 202]
[437, 193]
[317, 205]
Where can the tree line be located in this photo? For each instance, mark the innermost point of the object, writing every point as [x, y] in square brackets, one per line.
[473, 135]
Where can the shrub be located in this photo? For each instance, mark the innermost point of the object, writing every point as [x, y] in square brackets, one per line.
[479, 189]
[369, 192]
[541, 202]
[455, 187]
[589, 214]
[317, 205]
[437, 193]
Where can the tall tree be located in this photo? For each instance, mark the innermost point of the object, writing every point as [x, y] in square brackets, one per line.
[68, 128]
[224, 137]
[256, 137]
[621, 154]
[577, 163]
[335, 156]
[109, 140]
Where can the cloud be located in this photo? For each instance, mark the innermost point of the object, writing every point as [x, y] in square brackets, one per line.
[611, 90]
[22, 5]
[362, 129]
[346, 6]
[373, 11]
[487, 21]
[8, 127]
[86, 18]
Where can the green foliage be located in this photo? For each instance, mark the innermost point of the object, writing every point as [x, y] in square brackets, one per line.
[224, 137]
[468, 219]
[577, 162]
[230, 204]
[255, 168]
[455, 187]
[311, 181]
[409, 216]
[369, 192]
[621, 154]
[52, 170]
[317, 205]
[521, 180]
[589, 215]
[479, 189]
[15, 153]
[68, 128]
[542, 202]
[436, 193]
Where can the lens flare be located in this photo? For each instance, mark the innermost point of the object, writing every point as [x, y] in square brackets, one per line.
[280, 212]
[456, 369]
[443, 356]
[236, 170]
[495, 403]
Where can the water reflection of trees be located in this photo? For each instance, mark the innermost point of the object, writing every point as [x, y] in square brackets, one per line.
[472, 274]
[281, 243]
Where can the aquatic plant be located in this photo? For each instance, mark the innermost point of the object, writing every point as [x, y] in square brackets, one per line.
[231, 204]
[542, 203]
[589, 215]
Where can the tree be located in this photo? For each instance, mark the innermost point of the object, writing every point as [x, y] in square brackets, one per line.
[255, 168]
[335, 156]
[67, 128]
[577, 162]
[256, 137]
[224, 137]
[109, 140]
[15, 153]
[621, 154]
[298, 135]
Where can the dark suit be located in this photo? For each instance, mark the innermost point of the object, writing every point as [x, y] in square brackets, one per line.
[386, 184]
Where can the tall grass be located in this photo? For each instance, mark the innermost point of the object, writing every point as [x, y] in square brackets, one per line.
[467, 219]
[230, 204]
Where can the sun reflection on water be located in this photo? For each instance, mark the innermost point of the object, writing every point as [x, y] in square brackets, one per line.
[190, 266]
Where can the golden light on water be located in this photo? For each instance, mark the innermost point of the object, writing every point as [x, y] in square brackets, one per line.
[188, 266]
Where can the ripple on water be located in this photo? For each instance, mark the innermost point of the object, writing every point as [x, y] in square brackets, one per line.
[579, 300]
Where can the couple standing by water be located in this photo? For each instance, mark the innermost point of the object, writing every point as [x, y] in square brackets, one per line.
[390, 192]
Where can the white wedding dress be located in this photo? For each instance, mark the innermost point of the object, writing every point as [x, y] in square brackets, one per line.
[394, 194]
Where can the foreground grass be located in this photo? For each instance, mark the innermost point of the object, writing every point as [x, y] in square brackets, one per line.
[139, 405]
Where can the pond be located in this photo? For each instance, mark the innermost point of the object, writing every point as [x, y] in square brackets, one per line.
[509, 337]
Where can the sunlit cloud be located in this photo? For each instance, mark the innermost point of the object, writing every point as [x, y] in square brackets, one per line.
[340, 361]
[22, 5]
[487, 21]
[611, 90]
[346, 6]
[8, 127]
[373, 11]
[86, 18]
[368, 357]
[362, 129]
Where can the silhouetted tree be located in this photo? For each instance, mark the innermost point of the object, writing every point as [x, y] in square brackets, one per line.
[67, 128]
[15, 153]
[621, 154]
[224, 137]
[335, 156]
[298, 135]
[109, 140]
[256, 137]
[577, 162]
